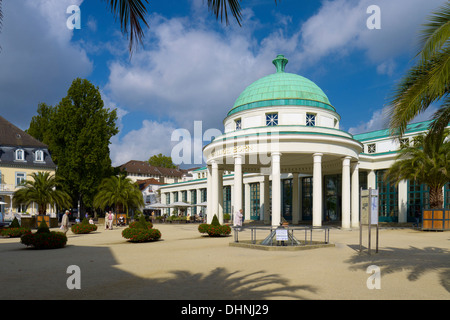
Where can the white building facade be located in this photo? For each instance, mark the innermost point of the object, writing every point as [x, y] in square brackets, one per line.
[282, 157]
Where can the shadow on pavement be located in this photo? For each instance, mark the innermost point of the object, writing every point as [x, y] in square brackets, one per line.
[416, 261]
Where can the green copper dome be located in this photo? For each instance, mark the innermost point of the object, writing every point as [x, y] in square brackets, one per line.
[281, 88]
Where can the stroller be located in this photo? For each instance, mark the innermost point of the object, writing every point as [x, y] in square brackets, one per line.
[121, 221]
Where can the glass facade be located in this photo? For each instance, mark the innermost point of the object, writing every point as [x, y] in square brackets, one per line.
[332, 197]
[287, 199]
[418, 199]
[307, 198]
[254, 201]
[227, 199]
[194, 201]
[387, 198]
[203, 194]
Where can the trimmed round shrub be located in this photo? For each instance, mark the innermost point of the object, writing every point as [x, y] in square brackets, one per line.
[137, 224]
[14, 230]
[51, 240]
[83, 227]
[141, 235]
[203, 228]
[141, 231]
[218, 231]
[215, 229]
[43, 238]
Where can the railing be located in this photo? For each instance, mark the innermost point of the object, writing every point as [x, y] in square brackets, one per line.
[290, 230]
[7, 187]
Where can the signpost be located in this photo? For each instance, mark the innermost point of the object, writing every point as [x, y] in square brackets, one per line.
[369, 215]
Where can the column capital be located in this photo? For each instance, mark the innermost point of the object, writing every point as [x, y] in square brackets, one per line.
[317, 157]
[346, 161]
[275, 153]
[237, 159]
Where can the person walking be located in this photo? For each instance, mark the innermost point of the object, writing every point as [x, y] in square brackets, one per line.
[106, 220]
[110, 220]
[237, 221]
[65, 222]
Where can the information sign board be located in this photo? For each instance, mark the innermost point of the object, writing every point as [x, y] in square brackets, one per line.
[282, 234]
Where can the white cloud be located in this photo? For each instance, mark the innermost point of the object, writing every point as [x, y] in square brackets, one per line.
[38, 61]
[151, 138]
[340, 28]
[380, 120]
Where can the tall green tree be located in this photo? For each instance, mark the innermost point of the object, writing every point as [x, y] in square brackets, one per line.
[41, 122]
[426, 161]
[44, 189]
[428, 81]
[119, 192]
[78, 137]
[161, 160]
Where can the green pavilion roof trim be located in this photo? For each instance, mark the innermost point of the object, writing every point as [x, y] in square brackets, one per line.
[281, 88]
[384, 133]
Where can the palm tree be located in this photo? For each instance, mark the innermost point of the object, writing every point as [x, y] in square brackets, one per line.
[44, 190]
[429, 80]
[120, 192]
[426, 161]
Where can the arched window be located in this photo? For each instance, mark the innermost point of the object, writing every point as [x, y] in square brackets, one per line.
[39, 156]
[20, 154]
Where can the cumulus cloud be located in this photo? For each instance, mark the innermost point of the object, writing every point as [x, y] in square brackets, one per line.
[140, 144]
[380, 120]
[38, 61]
[340, 27]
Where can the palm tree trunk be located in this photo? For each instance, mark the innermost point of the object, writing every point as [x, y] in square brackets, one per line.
[436, 198]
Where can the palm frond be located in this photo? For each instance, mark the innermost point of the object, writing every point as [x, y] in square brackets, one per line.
[220, 8]
[441, 118]
[131, 14]
[429, 80]
[436, 34]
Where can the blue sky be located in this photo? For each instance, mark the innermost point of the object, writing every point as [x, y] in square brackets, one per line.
[192, 67]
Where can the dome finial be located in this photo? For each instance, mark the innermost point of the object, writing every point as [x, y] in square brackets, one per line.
[280, 62]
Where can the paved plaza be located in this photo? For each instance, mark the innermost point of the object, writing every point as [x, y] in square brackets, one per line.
[184, 265]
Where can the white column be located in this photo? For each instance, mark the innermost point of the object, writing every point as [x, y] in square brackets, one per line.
[276, 189]
[220, 196]
[215, 192]
[295, 199]
[209, 193]
[317, 190]
[402, 190]
[346, 193]
[237, 183]
[355, 195]
[371, 180]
